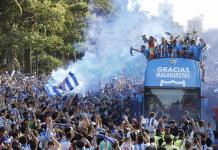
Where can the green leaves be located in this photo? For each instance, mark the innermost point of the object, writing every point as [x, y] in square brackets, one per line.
[45, 28]
[80, 8]
[103, 5]
[47, 63]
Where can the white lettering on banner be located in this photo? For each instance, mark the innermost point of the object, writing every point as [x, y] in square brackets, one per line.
[173, 72]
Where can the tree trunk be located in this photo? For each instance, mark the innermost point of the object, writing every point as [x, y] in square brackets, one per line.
[37, 64]
[63, 59]
[27, 61]
[22, 60]
[11, 58]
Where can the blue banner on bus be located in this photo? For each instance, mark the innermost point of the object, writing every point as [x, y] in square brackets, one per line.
[172, 72]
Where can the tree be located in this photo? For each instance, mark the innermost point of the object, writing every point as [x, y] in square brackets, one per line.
[39, 29]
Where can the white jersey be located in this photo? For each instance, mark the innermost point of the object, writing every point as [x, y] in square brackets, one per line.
[140, 146]
[65, 144]
[2, 122]
[150, 124]
[126, 146]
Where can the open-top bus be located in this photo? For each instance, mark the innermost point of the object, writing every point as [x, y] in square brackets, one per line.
[171, 87]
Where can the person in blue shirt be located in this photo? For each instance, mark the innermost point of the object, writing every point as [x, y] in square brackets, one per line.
[184, 53]
[179, 47]
[195, 52]
[199, 49]
[192, 49]
[186, 42]
[145, 51]
[158, 53]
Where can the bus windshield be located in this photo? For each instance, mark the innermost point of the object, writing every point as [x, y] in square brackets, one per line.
[173, 102]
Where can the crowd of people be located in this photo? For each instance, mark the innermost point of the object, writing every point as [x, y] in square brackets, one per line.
[188, 46]
[29, 120]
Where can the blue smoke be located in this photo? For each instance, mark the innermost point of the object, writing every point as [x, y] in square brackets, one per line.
[108, 42]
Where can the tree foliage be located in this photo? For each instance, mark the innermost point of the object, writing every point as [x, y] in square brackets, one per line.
[45, 29]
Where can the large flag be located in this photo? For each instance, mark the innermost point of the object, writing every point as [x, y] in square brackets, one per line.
[70, 82]
[53, 91]
[64, 88]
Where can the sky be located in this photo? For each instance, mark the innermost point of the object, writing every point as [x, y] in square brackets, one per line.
[187, 9]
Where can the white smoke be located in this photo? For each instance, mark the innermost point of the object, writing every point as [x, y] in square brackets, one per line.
[108, 42]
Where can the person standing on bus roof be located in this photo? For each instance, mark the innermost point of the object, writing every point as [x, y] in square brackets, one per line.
[157, 53]
[196, 51]
[186, 42]
[184, 53]
[163, 48]
[179, 47]
[145, 51]
[151, 45]
[192, 49]
[172, 52]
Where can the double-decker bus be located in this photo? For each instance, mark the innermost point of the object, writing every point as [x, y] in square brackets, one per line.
[172, 86]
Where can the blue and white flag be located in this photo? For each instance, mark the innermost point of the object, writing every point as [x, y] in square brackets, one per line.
[70, 82]
[53, 91]
[64, 88]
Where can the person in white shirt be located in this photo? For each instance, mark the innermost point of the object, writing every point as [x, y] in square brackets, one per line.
[142, 141]
[210, 133]
[3, 118]
[127, 145]
[65, 143]
[150, 124]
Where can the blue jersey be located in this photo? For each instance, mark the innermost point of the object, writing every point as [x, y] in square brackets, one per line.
[192, 49]
[147, 53]
[179, 47]
[198, 52]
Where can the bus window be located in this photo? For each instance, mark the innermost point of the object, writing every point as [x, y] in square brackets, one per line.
[173, 102]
